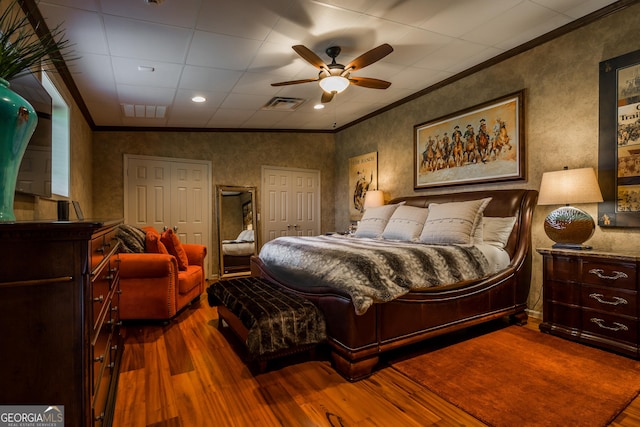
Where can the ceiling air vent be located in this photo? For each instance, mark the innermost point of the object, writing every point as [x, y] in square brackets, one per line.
[280, 103]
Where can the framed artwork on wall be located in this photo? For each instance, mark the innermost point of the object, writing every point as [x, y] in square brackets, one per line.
[619, 141]
[482, 144]
[363, 176]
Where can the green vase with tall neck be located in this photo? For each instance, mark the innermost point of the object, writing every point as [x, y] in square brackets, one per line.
[18, 120]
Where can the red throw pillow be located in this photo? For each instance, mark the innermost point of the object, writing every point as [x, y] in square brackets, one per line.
[154, 245]
[171, 241]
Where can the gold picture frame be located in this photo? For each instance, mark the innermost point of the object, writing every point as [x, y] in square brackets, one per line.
[482, 144]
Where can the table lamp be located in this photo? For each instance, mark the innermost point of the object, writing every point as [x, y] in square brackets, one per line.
[373, 199]
[568, 226]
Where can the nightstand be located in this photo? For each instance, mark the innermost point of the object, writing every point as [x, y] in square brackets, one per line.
[592, 297]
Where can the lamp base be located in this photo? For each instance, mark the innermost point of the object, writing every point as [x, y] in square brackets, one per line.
[569, 227]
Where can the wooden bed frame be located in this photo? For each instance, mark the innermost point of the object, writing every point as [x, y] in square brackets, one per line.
[357, 341]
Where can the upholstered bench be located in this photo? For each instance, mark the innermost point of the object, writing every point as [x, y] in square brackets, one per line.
[270, 321]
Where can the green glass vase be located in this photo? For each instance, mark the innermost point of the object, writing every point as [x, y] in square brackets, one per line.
[18, 120]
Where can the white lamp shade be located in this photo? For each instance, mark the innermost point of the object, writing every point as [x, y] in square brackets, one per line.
[569, 186]
[373, 199]
[334, 84]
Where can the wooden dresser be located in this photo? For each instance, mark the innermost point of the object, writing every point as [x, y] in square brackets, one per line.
[61, 341]
[592, 297]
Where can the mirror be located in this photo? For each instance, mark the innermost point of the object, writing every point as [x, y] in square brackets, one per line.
[237, 233]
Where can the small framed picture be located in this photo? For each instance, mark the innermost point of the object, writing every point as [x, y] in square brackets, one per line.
[76, 207]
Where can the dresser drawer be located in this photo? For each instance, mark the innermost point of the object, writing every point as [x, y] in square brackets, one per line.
[617, 328]
[101, 355]
[610, 300]
[619, 275]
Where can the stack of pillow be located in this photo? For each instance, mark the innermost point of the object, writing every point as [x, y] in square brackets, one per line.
[149, 240]
[461, 223]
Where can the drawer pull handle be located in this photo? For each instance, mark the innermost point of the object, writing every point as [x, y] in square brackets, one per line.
[99, 299]
[616, 274]
[618, 326]
[99, 358]
[616, 300]
[99, 417]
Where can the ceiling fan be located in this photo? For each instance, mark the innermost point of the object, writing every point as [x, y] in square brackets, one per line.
[335, 78]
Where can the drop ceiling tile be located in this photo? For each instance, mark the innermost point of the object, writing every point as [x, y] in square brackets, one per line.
[244, 102]
[83, 28]
[183, 13]
[221, 51]
[251, 19]
[409, 12]
[455, 18]
[185, 112]
[208, 79]
[105, 111]
[265, 119]
[450, 55]
[165, 74]
[229, 118]
[144, 40]
[94, 76]
[276, 59]
[525, 17]
[255, 83]
[415, 45]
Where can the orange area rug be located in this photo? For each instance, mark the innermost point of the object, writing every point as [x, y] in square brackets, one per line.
[519, 377]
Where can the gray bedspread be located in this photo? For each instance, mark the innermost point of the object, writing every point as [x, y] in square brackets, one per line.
[370, 270]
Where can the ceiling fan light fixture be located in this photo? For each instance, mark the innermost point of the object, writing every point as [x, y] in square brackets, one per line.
[334, 84]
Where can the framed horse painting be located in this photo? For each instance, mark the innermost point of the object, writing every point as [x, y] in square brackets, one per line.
[619, 141]
[482, 144]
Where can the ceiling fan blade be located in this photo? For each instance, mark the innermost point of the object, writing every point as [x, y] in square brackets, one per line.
[294, 82]
[309, 56]
[368, 58]
[369, 82]
[326, 97]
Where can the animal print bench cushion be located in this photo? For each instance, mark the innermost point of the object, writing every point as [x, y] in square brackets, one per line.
[276, 319]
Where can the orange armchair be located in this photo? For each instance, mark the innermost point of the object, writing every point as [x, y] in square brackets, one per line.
[152, 287]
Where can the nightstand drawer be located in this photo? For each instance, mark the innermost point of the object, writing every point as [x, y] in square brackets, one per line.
[563, 292]
[562, 268]
[618, 275]
[610, 300]
[615, 327]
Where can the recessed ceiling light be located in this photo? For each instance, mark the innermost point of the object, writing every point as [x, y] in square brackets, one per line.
[198, 99]
[146, 69]
[318, 106]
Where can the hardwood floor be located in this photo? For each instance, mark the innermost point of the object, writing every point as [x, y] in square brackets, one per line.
[187, 374]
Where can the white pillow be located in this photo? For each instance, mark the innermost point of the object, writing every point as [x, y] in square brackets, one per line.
[375, 220]
[496, 230]
[406, 223]
[454, 222]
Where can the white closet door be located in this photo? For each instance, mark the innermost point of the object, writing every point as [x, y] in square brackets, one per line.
[148, 192]
[174, 193]
[189, 210]
[305, 207]
[290, 202]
